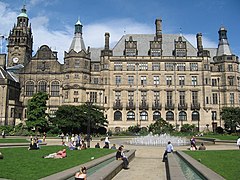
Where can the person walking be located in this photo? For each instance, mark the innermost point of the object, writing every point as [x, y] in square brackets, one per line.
[169, 149]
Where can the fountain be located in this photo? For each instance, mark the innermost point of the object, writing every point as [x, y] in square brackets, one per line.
[159, 140]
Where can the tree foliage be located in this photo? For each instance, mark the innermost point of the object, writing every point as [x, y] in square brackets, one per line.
[188, 128]
[160, 126]
[75, 119]
[36, 112]
[231, 118]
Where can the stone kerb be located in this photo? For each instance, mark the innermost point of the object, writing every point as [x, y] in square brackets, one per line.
[113, 168]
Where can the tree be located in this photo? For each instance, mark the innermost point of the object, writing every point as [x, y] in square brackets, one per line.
[75, 118]
[231, 118]
[36, 112]
[160, 126]
[188, 128]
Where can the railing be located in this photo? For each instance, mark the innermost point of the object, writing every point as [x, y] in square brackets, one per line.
[117, 105]
[169, 106]
[182, 106]
[156, 106]
[195, 106]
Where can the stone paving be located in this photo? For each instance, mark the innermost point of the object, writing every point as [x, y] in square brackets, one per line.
[147, 163]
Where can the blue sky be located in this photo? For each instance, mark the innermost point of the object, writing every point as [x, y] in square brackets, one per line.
[53, 20]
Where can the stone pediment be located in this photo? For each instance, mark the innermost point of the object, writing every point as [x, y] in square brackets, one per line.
[45, 53]
[81, 53]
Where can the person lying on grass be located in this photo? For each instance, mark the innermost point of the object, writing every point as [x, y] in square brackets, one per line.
[57, 155]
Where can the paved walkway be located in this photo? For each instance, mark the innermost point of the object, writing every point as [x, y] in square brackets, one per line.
[147, 163]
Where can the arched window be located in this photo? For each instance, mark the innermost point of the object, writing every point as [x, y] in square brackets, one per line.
[156, 115]
[143, 116]
[195, 116]
[117, 129]
[55, 88]
[117, 116]
[182, 116]
[29, 88]
[42, 86]
[130, 116]
[169, 116]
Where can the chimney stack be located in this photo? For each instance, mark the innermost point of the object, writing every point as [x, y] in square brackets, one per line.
[199, 41]
[107, 36]
[158, 24]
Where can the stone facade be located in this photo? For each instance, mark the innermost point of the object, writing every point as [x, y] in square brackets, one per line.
[144, 77]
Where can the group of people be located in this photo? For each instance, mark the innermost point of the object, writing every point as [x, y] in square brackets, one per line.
[34, 143]
[121, 156]
[193, 146]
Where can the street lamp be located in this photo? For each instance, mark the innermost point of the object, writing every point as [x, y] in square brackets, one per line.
[89, 105]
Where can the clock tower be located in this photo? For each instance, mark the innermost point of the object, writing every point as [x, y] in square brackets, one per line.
[20, 41]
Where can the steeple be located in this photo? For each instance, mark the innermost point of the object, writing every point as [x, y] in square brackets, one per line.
[223, 45]
[77, 43]
[22, 19]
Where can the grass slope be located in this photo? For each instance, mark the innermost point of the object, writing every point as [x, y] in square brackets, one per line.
[224, 162]
[20, 163]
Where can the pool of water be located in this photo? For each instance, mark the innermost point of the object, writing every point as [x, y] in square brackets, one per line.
[188, 171]
[92, 170]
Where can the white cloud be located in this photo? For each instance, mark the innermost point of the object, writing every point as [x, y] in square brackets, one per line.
[207, 43]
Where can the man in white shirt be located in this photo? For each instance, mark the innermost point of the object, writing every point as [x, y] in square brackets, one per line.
[238, 142]
[169, 149]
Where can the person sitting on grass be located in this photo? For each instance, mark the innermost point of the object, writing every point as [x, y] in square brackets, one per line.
[97, 145]
[82, 174]
[83, 145]
[34, 145]
[57, 155]
[202, 147]
[113, 146]
[119, 156]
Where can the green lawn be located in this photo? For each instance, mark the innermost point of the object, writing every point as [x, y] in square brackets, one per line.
[224, 162]
[20, 163]
[7, 140]
[222, 137]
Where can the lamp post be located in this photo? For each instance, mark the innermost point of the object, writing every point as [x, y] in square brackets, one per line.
[89, 105]
[138, 124]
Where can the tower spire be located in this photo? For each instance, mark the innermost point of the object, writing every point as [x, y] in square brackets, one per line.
[223, 45]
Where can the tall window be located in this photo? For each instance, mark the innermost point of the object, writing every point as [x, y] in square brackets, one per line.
[42, 86]
[194, 97]
[232, 98]
[214, 115]
[118, 80]
[181, 80]
[230, 67]
[156, 80]
[231, 80]
[130, 116]
[143, 116]
[156, 95]
[155, 66]
[93, 97]
[55, 88]
[194, 80]
[195, 116]
[143, 80]
[29, 88]
[130, 66]
[193, 66]
[182, 97]
[169, 66]
[169, 98]
[214, 82]
[169, 80]
[182, 116]
[181, 66]
[118, 66]
[215, 98]
[143, 66]
[117, 116]
[156, 115]
[130, 80]
[117, 95]
[144, 95]
[169, 116]
[130, 95]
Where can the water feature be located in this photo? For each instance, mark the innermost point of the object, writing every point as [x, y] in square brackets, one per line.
[159, 140]
[187, 170]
